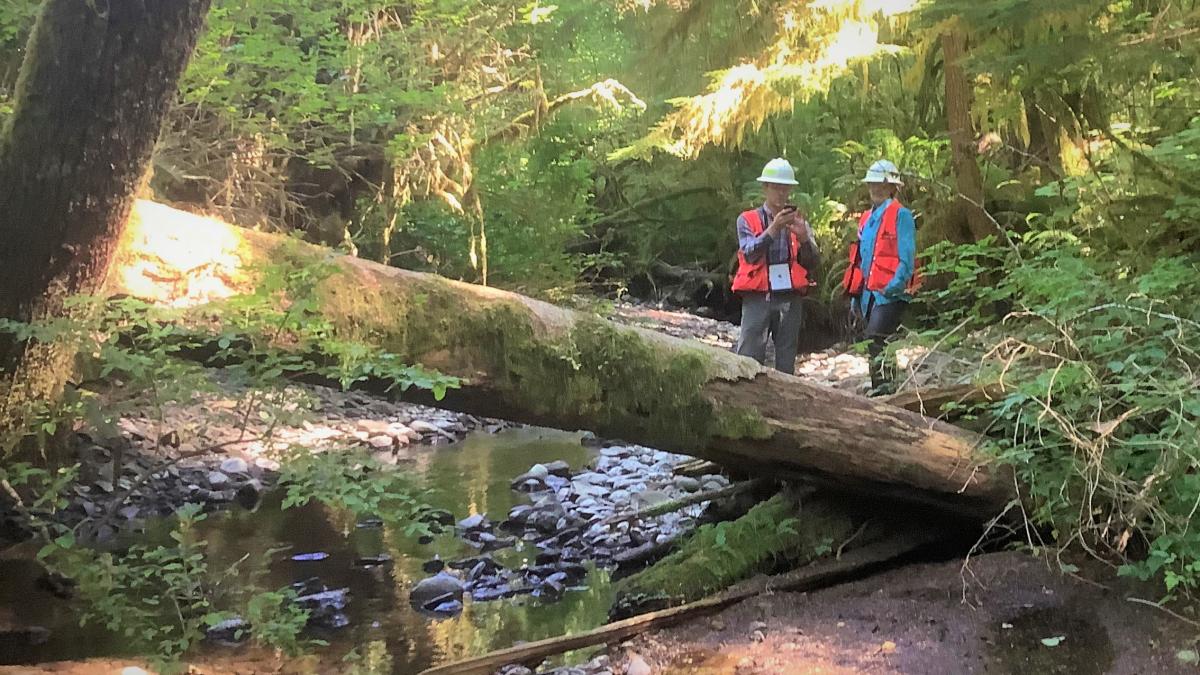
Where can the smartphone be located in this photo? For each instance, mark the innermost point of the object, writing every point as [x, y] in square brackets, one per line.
[789, 207]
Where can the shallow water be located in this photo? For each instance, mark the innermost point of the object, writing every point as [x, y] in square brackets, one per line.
[465, 478]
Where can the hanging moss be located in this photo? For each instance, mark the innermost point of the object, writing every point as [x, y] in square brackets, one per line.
[717, 556]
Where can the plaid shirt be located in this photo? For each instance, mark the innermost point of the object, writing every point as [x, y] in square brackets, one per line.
[776, 250]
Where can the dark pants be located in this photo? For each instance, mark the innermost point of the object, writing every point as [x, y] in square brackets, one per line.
[882, 322]
[780, 317]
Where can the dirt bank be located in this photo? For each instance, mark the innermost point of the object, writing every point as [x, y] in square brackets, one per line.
[932, 618]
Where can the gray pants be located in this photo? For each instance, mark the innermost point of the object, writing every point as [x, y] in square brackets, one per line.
[782, 317]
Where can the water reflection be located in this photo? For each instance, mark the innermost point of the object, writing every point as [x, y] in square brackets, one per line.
[467, 478]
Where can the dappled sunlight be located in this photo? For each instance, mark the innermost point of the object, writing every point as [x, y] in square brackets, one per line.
[815, 45]
[179, 259]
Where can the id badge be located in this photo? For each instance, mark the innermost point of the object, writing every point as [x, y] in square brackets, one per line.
[780, 276]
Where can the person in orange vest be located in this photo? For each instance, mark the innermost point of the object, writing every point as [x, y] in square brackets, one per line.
[777, 260]
[882, 274]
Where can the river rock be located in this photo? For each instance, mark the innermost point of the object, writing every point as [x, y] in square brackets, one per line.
[325, 607]
[437, 587]
[436, 517]
[266, 464]
[217, 479]
[423, 427]
[249, 494]
[380, 442]
[545, 520]
[235, 465]
[687, 483]
[519, 514]
[449, 608]
[475, 523]
[637, 666]
[559, 468]
[229, 630]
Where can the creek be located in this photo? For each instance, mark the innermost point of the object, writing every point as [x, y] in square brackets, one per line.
[467, 478]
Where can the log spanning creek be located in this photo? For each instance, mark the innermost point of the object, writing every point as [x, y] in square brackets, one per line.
[525, 550]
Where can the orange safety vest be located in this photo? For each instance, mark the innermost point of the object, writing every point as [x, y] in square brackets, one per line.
[885, 259]
[752, 276]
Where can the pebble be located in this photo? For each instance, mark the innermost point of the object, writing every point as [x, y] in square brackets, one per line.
[473, 523]
[637, 666]
[433, 591]
[380, 442]
[423, 427]
[217, 479]
[266, 464]
[235, 465]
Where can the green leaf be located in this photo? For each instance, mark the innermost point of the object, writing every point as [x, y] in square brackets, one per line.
[1054, 641]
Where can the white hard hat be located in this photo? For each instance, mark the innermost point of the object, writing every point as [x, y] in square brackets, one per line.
[883, 171]
[778, 170]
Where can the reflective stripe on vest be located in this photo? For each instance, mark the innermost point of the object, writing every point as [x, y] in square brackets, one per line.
[752, 276]
[885, 257]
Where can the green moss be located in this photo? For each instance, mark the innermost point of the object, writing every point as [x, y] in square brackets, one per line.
[737, 422]
[718, 556]
[592, 374]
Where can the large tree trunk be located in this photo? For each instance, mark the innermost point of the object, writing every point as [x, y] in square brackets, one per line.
[527, 360]
[94, 88]
[967, 177]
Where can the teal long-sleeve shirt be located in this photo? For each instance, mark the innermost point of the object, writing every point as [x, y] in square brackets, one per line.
[906, 244]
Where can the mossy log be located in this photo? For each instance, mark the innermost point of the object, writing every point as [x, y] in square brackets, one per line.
[778, 532]
[530, 361]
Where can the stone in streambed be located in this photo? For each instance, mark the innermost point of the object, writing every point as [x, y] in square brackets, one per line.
[440, 587]
[475, 523]
[249, 494]
[448, 608]
[229, 630]
[235, 465]
[558, 468]
[436, 517]
[373, 560]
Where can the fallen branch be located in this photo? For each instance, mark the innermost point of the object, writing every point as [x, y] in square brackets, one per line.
[674, 505]
[816, 576]
[931, 401]
[696, 467]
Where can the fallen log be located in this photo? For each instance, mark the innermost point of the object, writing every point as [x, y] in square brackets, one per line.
[530, 361]
[931, 401]
[818, 575]
[673, 505]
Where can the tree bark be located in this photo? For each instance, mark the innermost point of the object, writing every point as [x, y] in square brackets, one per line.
[530, 361]
[93, 91]
[968, 179]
